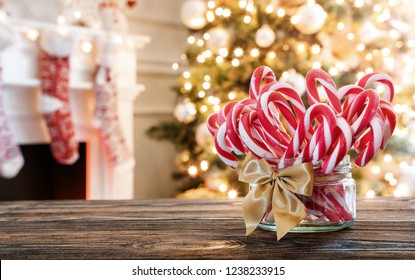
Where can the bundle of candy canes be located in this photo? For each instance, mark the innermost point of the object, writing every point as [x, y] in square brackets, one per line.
[274, 124]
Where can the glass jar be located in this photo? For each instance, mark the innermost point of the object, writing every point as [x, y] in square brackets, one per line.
[332, 205]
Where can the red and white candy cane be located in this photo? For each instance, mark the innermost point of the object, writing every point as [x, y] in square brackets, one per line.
[317, 75]
[379, 78]
[314, 112]
[254, 137]
[390, 121]
[261, 73]
[369, 144]
[275, 90]
[232, 124]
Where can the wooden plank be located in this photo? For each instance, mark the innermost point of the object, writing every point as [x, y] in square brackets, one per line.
[192, 229]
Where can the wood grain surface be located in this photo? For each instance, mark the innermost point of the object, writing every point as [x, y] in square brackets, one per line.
[192, 229]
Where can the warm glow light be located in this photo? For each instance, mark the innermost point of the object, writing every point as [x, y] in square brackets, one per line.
[369, 56]
[226, 12]
[269, 9]
[191, 40]
[250, 7]
[377, 8]
[216, 108]
[175, 66]
[375, 169]
[86, 46]
[401, 190]
[206, 85]
[235, 62]
[186, 74]
[339, 2]
[242, 4]
[219, 11]
[255, 52]
[359, 3]
[340, 26]
[206, 36]
[232, 194]
[360, 75]
[388, 176]
[207, 53]
[201, 94]
[294, 20]
[385, 51]
[361, 47]
[201, 58]
[316, 65]
[207, 78]
[301, 47]
[247, 19]
[393, 182]
[410, 43]
[219, 59]
[77, 14]
[61, 20]
[223, 52]
[238, 52]
[188, 86]
[333, 71]
[210, 16]
[350, 36]
[211, 4]
[369, 70]
[204, 165]
[370, 194]
[200, 42]
[231, 95]
[192, 171]
[223, 187]
[32, 34]
[280, 12]
[387, 158]
[203, 108]
[315, 49]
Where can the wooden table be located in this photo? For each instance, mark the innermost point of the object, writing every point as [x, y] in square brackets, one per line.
[192, 229]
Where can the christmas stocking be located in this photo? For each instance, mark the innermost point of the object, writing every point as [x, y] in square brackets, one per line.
[55, 95]
[106, 111]
[11, 159]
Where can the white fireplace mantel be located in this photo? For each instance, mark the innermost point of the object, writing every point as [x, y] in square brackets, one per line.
[21, 95]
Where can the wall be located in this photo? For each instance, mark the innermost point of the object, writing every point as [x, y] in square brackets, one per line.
[155, 160]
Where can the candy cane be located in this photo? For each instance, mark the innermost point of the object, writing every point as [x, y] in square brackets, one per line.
[314, 112]
[317, 75]
[261, 73]
[253, 136]
[370, 142]
[379, 78]
[232, 124]
[223, 149]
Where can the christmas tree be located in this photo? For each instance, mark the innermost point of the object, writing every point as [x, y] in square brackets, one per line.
[228, 40]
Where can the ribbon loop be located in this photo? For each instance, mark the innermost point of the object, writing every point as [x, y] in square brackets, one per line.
[276, 190]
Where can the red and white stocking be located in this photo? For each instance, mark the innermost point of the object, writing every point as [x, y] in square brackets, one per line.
[106, 114]
[11, 159]
[54, 70]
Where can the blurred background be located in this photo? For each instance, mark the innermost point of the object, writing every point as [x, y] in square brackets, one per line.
[176, 62]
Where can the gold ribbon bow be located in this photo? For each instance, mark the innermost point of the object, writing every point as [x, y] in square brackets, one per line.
[278, 189]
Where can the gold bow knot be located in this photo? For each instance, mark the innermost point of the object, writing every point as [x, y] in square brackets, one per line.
[277, 189]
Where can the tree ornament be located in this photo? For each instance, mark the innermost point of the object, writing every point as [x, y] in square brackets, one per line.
[193, 14]
[219, 38]
[309, 18]
[368, 33]
[265, 36]
[185, 111]
[131, 3]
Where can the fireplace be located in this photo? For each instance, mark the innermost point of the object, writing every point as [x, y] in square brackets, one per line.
[43, 178]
